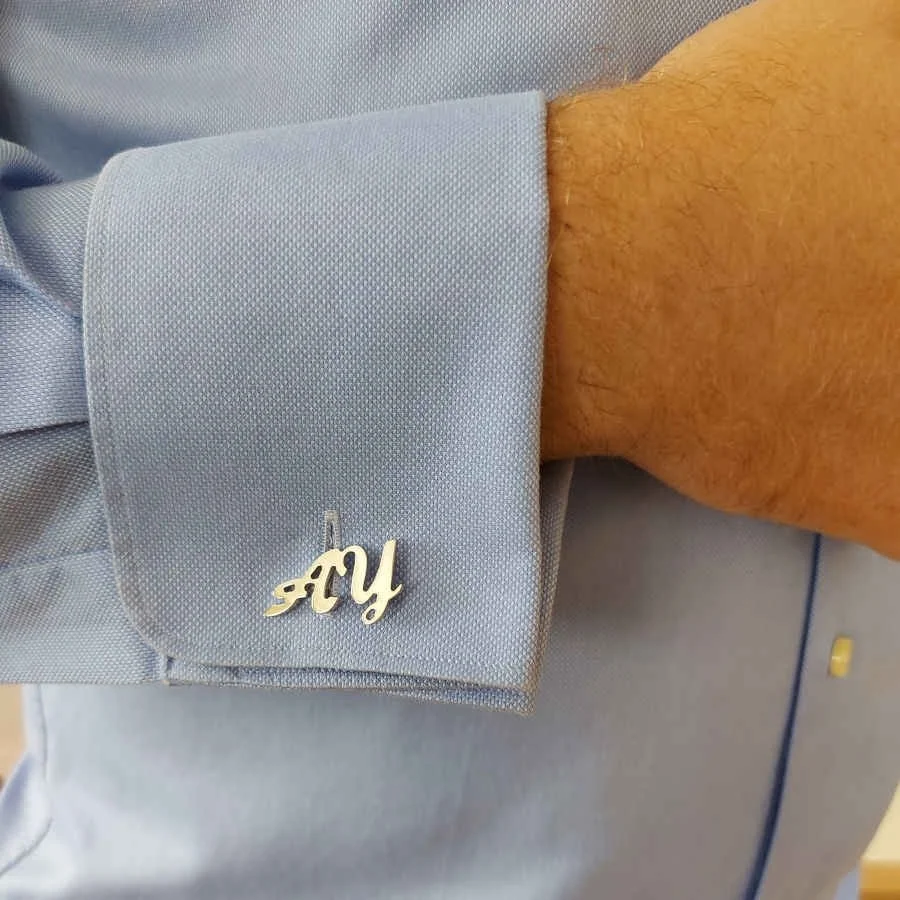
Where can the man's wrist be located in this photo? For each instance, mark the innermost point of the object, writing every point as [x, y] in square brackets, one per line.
[602, 328]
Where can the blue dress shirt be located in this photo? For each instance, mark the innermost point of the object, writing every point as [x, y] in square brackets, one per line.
[274, 277]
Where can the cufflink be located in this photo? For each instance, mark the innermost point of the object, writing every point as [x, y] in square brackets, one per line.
[316, 580]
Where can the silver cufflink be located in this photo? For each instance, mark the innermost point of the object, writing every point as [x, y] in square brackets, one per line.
[318, 577]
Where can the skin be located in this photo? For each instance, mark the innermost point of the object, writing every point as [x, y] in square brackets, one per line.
[724, 274]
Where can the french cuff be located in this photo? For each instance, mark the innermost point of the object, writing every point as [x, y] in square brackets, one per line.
[313, 361]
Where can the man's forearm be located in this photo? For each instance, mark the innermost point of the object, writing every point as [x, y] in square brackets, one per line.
[724, 283]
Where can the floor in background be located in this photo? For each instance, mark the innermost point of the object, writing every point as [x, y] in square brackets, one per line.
[10, 729]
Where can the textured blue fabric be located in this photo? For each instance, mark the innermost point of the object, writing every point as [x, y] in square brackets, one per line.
[657, 725]
[667, 754]
[42, 232]
[401, 390]
[225, 214]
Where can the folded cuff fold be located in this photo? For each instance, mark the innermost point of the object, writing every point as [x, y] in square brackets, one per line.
[335, 320]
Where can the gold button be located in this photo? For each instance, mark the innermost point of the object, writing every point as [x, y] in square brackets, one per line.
[841, 657]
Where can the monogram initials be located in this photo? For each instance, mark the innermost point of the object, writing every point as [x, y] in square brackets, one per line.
[317, 578]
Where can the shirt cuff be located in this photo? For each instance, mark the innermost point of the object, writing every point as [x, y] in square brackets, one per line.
[328, 339]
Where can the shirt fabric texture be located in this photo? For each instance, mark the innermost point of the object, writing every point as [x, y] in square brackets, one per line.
[264, 262]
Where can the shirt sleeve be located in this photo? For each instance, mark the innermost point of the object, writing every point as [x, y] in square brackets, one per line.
[271, 410]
